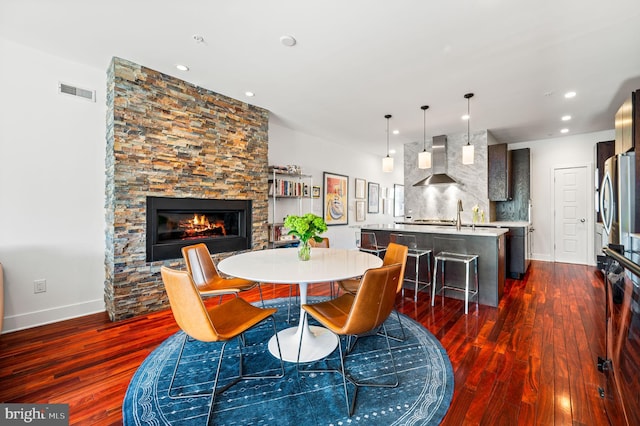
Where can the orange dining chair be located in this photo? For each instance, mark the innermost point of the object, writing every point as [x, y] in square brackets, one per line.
[351, 315]
[396, 253]
[206, 277]
[222, 323]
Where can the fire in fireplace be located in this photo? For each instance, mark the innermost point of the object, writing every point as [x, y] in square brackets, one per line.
[173, 223]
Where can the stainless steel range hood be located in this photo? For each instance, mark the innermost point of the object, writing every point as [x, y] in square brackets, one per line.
[439, 161]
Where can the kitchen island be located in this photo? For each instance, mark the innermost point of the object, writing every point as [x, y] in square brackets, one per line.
[487, 242]
[517, 242]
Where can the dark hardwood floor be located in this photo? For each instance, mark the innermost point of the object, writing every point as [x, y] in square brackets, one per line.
[530, 361]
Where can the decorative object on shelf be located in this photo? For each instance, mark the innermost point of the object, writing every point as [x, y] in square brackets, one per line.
[467, 150]
[424, 158]
[387, 162]
[279, 169]
[398, 200]
[336, 195]
[360, 186]
[289, 169]
[374, 198]
[306, 227]
[294, 169]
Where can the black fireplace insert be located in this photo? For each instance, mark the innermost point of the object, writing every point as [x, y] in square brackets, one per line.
[173, 223]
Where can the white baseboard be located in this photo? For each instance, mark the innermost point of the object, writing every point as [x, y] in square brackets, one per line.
[547, 258]
[541, 257]
[48, 316]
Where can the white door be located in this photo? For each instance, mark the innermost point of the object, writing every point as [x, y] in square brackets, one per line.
[571, 222]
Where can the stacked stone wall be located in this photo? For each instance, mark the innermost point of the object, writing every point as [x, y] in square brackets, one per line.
[170, 138]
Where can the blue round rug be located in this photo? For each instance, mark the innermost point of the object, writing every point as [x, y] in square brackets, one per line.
[422, 397]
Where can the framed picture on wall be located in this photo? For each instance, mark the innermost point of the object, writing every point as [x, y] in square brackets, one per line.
[374, 198]
[360, 189]
[336, 196]
[360, 211]
[398, 200]
[315, 192]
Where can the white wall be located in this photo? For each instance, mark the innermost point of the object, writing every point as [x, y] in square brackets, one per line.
[52, 150]
[316, 156]
[546, 155]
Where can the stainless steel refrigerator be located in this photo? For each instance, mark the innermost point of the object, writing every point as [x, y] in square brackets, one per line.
[621, 365]
[617, 199]
[626, 199]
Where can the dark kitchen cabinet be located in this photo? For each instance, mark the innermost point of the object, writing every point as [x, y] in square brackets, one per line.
[517, 208]
[499, 172]
[517, 252]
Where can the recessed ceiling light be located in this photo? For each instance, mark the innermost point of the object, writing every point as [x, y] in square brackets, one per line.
[566, 117]
[249, 94]
[396, 132]
[288, 40]
[466, 117]
[570, 95]
[565, 130]
[392, 151]
[182, 67]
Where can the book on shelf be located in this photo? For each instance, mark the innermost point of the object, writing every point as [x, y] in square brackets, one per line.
[286, 188]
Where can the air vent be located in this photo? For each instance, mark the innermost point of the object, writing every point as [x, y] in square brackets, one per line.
[67, 89]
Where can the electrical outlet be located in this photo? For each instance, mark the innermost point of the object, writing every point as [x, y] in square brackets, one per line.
[40, 286]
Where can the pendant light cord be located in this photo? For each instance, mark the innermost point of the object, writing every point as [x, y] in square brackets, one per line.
[468, 96]
[388, 116]
[468, 122]
[424, 128]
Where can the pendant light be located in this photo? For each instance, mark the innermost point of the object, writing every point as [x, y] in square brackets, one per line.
[424, 158]
[467, 150]
[387, 162]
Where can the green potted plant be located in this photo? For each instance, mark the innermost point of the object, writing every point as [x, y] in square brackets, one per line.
[305, 227]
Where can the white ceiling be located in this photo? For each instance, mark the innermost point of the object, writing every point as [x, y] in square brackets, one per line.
[357, 60]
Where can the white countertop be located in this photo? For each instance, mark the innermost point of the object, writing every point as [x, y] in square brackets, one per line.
[496, 224]
[508, 224]
[488, 231]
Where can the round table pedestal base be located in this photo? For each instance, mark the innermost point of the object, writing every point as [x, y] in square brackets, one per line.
[317, 343]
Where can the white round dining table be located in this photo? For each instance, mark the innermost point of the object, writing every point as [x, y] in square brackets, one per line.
[281, 266]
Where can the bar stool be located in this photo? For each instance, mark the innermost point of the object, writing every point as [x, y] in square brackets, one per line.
[454, 250]
[415, 253]
[369, 244]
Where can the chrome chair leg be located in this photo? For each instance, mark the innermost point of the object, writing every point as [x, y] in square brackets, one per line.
[347, 377]
[240, 377]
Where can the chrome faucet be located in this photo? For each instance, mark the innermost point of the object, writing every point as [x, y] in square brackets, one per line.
[458, 221]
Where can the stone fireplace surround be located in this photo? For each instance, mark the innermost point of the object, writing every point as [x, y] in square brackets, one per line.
[170, 138]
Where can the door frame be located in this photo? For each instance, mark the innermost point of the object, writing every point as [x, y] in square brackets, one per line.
[590, 214]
